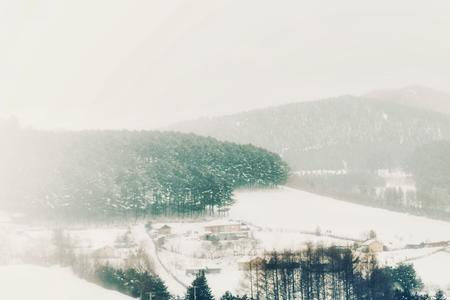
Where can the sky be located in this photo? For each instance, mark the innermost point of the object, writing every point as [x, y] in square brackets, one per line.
[146, 64]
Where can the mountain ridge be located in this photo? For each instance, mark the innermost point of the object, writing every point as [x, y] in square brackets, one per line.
[344, 121]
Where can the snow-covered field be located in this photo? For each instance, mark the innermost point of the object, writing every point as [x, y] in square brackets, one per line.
[434, 270]
[286, 218]
[21, 244]
[392, 258]
[96, 238]
[290, 209]
[25, 244]
[24, 282]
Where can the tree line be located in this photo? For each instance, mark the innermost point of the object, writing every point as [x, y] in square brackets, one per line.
[109, 174]
[276, 277]
[329, 273]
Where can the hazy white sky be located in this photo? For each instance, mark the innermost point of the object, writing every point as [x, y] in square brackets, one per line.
[144, 64]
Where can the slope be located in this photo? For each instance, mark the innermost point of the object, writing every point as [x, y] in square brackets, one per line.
[24, 282]
[345, 132]
[291, 209]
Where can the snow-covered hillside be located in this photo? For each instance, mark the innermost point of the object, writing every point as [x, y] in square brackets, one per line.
[286, 209]
[49, 284]
[291, 209]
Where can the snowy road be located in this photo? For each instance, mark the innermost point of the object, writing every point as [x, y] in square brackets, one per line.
[145, 241]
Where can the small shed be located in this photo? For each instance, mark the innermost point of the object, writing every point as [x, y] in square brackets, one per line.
[165, 230]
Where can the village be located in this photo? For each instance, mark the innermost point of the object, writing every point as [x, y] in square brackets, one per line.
[226, 247]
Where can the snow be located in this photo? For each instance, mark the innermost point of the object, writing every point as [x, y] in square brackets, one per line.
[96, 238]
[285, 210]
[19, 243]
[229, 278]
[286, 218]
[4, 218]
[24, 282]
[289, 209]
[277, 219]
[432, 269]
[396, 257]
[321, 172]
[146, 242]
[282, 240]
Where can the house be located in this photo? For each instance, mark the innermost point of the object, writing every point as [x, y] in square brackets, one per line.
[220, 230]
[165, 230]
[223, 227]
[372, 246]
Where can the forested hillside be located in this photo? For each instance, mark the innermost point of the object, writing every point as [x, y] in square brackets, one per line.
[347, 132]
[354, 148]
[97, 174]
[430, 165]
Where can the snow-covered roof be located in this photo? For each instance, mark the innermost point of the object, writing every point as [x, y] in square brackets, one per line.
[221, 223]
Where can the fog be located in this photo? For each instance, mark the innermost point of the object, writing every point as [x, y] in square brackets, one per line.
[272, 149]
[147, 64]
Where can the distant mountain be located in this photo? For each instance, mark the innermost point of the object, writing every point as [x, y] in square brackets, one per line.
[431, 164]
[416, 96]
[348, 132]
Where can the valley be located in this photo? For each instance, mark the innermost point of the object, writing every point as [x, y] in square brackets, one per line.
[286, 219]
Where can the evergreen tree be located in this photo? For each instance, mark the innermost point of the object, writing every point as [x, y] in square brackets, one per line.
[328, 273]
[405, 279]
[199, 289]
[132, 282]
[106, 175]
[440, 295]
[229, 296]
